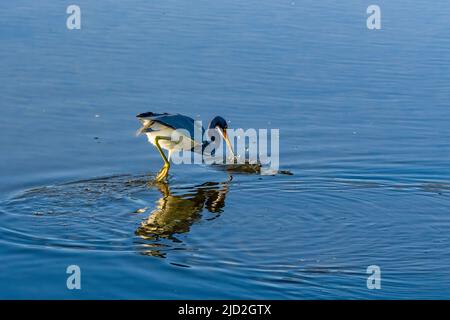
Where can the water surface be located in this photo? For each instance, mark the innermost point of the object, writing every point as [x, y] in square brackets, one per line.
[363, 118]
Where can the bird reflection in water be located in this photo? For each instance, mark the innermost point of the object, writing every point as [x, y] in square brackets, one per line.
[175, 213]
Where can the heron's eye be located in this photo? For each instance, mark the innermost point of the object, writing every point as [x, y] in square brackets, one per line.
[213, 138]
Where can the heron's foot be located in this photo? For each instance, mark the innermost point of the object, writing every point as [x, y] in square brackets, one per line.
[163, 174]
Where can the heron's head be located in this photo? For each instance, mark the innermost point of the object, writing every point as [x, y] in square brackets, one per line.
[221, 125]
[218, 122]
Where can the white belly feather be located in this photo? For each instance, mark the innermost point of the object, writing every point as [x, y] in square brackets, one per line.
[160, 130]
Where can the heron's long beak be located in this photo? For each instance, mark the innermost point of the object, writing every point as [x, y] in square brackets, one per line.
[225, 137]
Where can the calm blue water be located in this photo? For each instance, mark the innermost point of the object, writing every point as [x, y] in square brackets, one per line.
[364, 127]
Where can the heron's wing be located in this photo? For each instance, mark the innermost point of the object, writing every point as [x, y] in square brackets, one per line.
[175, 121]
[149, 116]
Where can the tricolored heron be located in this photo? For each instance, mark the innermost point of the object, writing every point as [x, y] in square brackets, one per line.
[159, 128]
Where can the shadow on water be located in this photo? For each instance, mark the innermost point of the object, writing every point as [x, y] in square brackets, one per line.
[176, 213]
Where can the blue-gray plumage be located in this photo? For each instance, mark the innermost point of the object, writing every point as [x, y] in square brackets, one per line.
[174, 121]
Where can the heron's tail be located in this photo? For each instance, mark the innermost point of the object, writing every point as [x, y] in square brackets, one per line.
[145, 126]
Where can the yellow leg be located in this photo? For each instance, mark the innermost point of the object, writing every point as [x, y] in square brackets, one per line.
[165, 169]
